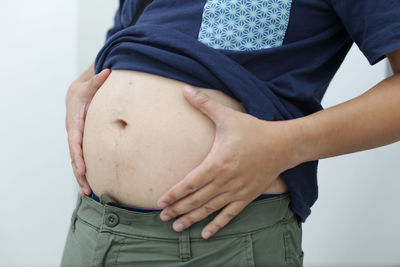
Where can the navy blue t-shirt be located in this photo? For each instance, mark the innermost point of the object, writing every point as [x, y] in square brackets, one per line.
[277, 57]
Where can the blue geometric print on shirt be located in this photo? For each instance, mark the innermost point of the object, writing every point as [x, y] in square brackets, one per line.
[244, 24]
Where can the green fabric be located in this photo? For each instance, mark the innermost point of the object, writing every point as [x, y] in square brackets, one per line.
[265, 233]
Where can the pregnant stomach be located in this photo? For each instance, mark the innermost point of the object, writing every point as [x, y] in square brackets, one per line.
[141, 137]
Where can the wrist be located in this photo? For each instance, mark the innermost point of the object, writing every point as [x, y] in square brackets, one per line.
[298, 137]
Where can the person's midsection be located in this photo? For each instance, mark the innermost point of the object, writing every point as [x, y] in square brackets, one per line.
[141, 137]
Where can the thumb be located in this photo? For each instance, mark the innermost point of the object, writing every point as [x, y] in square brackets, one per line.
[203, 102]
[97, 81]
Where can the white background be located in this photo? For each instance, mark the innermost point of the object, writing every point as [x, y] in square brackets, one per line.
[45, 44]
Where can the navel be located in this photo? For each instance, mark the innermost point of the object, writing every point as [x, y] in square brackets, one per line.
[121, 123]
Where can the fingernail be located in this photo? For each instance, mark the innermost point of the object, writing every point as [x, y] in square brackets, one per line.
[87, 191]
[179, 227]
[165, 217]
[80, 191]
[207, 234]
[162, 205]
[190, 89]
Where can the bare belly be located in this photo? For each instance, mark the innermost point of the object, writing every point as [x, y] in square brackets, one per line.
[141, 137]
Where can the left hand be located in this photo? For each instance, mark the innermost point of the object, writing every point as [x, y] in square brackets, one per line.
[247, 156]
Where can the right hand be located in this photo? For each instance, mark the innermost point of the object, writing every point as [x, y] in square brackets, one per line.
[77, 100]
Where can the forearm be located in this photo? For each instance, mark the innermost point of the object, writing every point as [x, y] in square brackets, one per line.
[368, 121]
[87, 75]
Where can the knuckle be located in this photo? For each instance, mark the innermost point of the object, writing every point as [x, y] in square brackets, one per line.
[217, 226]
[202, 99]
[194, 202]
[219, 171]
[78, 178]
[189, 187]
[214, 167]
[169, 199]
[209, 209]
[172, 197]
[218, 185]
[239, 184]
[95, 83]
[220, 165]
[74, 167]
[228, 161]
[73, 163]
[210, 170]
[71, 93]
[229, 215]
[79, 182]
[91, 81]
[172, 211]
[80, 172]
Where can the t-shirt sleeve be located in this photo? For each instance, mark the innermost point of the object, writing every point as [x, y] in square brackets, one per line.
[374, 25]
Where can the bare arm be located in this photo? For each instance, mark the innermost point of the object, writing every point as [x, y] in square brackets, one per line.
[364, 122]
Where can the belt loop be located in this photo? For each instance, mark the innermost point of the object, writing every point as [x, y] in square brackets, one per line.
[106, 199]
[184, 245]
[75, 212]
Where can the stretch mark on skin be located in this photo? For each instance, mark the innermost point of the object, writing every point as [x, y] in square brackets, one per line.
[121, 125]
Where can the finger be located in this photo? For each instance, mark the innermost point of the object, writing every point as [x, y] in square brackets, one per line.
[223, 218]
[207, 105]
[81, 178]
[97, 81]
[75, 132]
[204, 211]
[82, 181]
[75, 135]
[81, 191]
[191, 202]
[193, 181]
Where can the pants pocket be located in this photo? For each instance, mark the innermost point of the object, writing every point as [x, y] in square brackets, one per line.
[236, 250]
[80, 245]
[292, 236]
[269, 247]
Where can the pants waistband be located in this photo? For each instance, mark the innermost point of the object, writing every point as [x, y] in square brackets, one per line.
[106, 217]
[128, 207]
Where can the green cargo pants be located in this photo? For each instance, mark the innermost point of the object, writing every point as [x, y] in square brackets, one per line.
[265, 233]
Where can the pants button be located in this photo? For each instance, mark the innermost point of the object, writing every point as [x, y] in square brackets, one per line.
[111, 219]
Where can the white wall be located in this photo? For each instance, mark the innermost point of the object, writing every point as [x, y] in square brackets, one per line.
[94, 18]
[38, 61]
[50, 42]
